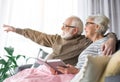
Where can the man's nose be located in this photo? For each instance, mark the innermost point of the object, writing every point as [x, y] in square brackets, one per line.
[62, 28]
[85, 28]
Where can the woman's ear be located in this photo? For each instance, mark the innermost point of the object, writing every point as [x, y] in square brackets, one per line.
[97, 28]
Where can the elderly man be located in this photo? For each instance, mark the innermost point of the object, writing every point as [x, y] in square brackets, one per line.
[69, 44]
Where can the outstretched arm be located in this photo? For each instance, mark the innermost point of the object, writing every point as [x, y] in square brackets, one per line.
[109, 46]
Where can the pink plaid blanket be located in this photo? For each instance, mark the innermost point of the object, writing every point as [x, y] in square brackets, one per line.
[40, 74]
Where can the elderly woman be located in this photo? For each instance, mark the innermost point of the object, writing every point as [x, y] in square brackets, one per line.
[95, 28]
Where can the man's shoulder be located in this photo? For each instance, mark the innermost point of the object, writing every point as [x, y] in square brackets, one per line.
[82, 37]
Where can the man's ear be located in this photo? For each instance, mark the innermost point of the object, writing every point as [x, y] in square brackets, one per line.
[75, 31]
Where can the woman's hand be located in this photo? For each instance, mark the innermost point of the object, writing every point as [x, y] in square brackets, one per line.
[69, 69]
[54, 72]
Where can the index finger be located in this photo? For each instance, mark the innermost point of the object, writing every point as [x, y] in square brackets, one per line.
[4, 25]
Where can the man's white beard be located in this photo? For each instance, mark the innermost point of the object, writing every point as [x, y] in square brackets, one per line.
[66, 35]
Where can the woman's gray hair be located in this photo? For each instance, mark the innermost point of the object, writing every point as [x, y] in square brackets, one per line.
[76, 21]
[102, 21]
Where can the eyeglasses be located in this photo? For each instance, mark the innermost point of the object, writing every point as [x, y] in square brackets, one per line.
[64, 25]
[88, 23]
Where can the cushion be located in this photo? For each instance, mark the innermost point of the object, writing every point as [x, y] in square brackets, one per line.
[113, 67]
[92, 69]
[42, 54]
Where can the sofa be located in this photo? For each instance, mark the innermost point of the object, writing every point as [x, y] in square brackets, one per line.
[115, 78]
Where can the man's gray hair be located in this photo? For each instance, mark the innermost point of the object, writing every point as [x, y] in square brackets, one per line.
[102, 21]
[76, 21]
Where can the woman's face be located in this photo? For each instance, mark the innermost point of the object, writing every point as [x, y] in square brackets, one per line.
[90, 28]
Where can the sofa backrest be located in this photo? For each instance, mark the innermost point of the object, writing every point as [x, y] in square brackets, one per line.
[118, 45]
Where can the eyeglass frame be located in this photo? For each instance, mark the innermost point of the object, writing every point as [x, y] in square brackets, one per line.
[64, 25]
[87, 23]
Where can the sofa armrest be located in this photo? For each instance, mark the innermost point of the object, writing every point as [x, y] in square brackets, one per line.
[22, 67]
[115, 78]
[42, 54]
